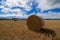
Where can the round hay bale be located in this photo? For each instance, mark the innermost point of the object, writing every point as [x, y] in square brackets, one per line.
[34, 23]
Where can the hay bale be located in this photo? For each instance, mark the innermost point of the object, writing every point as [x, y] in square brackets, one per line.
[34, 23]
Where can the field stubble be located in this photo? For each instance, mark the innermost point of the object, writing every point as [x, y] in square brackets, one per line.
[17, 30]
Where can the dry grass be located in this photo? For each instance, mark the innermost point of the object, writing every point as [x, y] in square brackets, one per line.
[17, 30]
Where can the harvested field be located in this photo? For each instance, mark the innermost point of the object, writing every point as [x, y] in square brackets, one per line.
[17, 30]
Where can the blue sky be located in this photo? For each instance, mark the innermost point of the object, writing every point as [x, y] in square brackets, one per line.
[22, 9]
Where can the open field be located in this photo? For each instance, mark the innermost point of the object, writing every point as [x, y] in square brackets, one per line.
[17, 30]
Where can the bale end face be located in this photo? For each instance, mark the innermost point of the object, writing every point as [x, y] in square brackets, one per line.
[34, 23]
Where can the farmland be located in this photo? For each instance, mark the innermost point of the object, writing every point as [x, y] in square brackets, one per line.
[17, 30]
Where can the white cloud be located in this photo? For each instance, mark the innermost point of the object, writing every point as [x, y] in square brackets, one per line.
[50, 15]
[6, 10]
[43, 4]
[47, 4]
